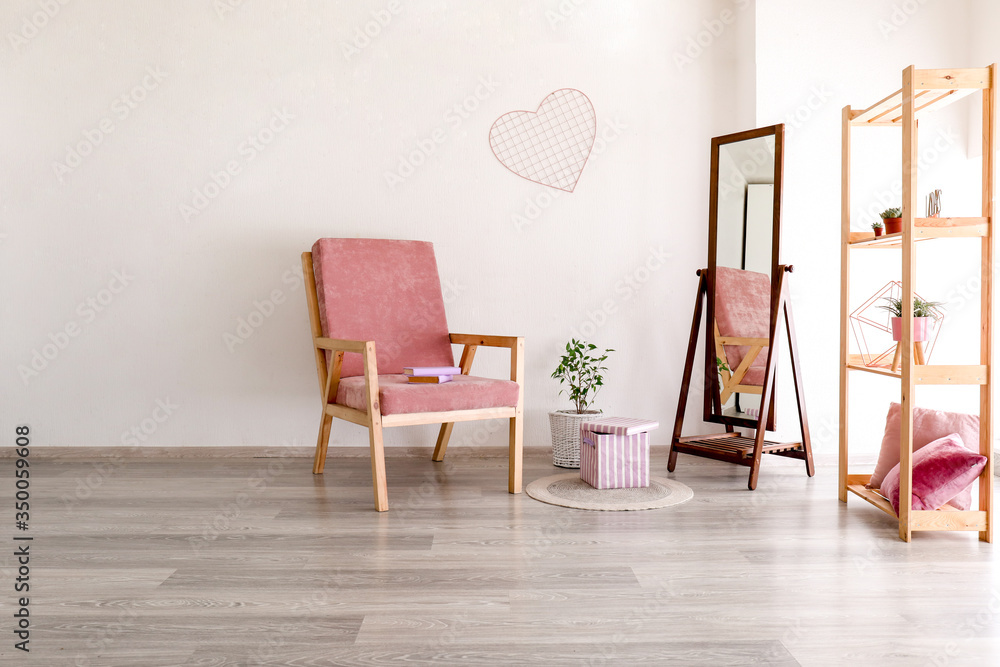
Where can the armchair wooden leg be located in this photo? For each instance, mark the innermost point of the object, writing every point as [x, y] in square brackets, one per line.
[442, 442]
[378, 467]
[515, 454]
[319, 462]
[672, 459]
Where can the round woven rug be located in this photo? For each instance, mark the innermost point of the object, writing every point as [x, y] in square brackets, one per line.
[568, 490]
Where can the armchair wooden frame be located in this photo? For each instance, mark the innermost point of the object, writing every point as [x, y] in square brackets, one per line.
[375, 421]
[732, 379]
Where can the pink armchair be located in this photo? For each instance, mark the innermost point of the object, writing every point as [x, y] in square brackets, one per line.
[742, 329]
[365, 294]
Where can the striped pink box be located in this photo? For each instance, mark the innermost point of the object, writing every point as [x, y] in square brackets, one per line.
[614, 452]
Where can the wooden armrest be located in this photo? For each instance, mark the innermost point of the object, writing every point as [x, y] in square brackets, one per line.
[338, 345]
[485, 341]
[733, 340]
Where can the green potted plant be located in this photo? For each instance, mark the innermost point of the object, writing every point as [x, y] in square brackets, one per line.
[878, 228]
[893, 218]
[582, 370]
[923, 313]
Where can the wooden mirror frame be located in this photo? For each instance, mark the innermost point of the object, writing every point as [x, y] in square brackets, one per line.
[712, 402]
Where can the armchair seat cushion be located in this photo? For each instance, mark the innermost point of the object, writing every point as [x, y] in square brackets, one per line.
[399, 396]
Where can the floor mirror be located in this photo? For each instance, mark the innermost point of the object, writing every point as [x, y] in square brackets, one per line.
[743, 294]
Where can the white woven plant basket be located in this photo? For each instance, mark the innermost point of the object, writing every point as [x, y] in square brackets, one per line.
[566, 436]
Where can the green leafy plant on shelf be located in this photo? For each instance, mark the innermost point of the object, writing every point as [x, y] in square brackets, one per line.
[891, 213]
[582, 372]
[877, 225]
[921, 308]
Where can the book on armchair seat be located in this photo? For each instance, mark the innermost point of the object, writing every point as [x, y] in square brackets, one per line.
[432, 379]
[426, 371]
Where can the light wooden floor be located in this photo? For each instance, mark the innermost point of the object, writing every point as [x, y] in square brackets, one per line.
[301, 571]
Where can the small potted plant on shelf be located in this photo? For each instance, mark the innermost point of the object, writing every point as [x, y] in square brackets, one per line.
[893, 218]
[923, 313]
[582, 372]
[878, 228]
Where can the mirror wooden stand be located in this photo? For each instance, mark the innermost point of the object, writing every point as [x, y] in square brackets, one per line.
[742, 324]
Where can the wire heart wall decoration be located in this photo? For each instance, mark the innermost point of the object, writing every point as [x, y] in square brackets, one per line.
[550, 145]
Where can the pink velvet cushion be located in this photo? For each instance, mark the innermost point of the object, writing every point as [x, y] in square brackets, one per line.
[928, 426]
[743, 309]
[386, 291]
[941, 470]
[399, 396]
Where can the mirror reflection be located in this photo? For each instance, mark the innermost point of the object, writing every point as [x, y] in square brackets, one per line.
[744, 229]
[746, 204]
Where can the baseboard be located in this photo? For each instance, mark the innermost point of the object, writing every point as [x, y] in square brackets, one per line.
[243, 452]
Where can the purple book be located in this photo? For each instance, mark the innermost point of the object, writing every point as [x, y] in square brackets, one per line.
[427, 371]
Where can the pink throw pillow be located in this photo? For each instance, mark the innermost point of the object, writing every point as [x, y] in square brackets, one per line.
[928, 426]
[941, 470]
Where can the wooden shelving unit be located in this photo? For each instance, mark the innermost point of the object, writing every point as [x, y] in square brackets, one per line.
[922, 92]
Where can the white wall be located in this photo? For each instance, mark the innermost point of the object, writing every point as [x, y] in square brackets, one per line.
[331, 123]
[515, 257]
[813, 59]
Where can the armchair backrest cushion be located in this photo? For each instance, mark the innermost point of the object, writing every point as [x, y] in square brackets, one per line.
[743, 310]
[387, 291]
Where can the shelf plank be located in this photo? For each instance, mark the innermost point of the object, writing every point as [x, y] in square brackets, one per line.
[947, 520]
[942, 374]
[877, 110]
[934, 89]
[873, 369]
[734, 445]
[941, 228]
[937, 374]
[971, 78]
[931, 100]
[872, 497]
[925, 228]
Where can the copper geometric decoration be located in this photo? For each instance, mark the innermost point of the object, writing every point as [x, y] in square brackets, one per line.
[872, 328]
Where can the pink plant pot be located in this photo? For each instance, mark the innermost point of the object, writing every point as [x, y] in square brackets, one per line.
[921, 328]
